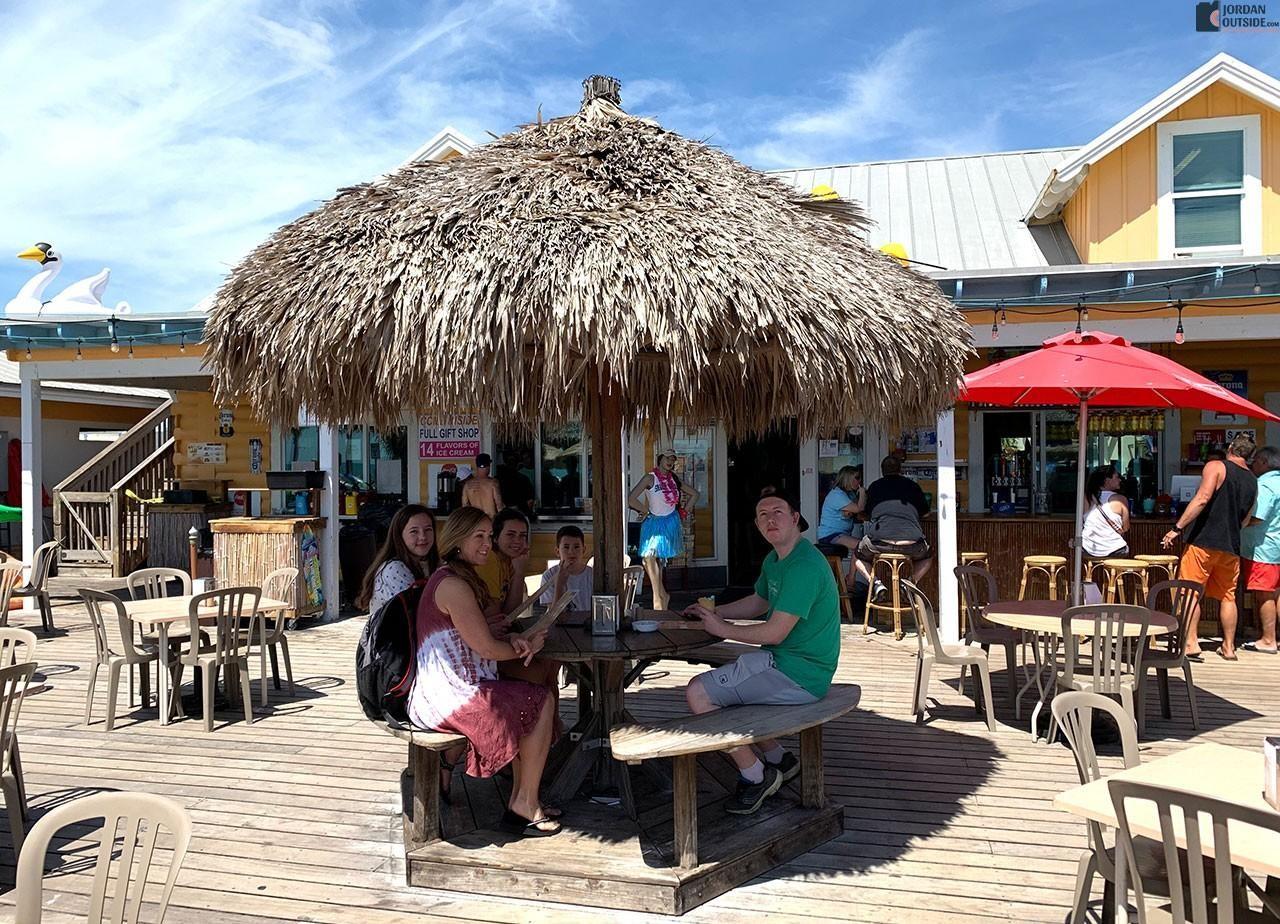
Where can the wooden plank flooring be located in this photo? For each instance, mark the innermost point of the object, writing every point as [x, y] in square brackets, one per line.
[297, 816]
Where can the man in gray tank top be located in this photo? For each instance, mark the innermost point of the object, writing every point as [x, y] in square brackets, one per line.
[1213, 519]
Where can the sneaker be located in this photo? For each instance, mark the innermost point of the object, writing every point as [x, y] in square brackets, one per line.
[750, 796]
[879, 592]
[789, 766]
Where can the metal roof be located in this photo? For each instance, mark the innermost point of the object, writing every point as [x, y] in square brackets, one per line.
[959, 213]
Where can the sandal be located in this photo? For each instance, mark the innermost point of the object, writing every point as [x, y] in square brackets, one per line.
[519, 826]
[1228, 657]
[1254, 646]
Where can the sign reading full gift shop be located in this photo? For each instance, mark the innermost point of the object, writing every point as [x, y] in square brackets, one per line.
[455, 437]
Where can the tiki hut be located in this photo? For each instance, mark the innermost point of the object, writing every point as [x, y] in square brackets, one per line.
[593, 266]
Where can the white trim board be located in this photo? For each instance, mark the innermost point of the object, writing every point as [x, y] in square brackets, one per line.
[1066, 178]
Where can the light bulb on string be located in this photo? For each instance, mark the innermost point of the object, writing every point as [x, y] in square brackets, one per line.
[1084, 313]
[1179, 336]
[995, 326]
[79, 355]
[1004, 316]
[1257, 286]
[182, 342]
[131, 348]
[28, 349]
[1079, 330]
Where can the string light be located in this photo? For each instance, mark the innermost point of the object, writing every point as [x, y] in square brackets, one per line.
[1079, 330]
[1257, 286]
[28, 348]
[131, 348]
[79, 355]
[1179, 336]
[115, 343]
[182, 342]
[995, 326]
[1084, 311]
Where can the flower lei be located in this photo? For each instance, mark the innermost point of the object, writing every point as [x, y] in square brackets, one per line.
[667, 485]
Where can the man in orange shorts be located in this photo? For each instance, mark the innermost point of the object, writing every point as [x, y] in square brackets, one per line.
[1222, 506]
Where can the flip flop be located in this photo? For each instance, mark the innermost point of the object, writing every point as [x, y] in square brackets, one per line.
[1195, 655]
[1227, 657]
[519, 826]
[1253, 646]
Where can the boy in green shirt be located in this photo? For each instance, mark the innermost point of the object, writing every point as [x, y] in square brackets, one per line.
[799, 646]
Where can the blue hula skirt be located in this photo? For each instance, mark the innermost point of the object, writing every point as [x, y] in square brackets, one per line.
[661, 536]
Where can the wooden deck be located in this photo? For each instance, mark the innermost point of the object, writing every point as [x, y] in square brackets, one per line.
[297, 816]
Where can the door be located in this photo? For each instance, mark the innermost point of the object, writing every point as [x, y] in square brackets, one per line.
[755, 464]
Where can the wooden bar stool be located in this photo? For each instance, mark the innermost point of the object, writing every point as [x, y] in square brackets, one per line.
[976, 560]
[1126, 580]
[846, 601]
[1053, 567]
[891, 564]
[1165, 563]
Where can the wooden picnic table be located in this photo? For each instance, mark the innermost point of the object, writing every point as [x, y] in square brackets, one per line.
[1043, 620]
[603, 662]
[158, 614]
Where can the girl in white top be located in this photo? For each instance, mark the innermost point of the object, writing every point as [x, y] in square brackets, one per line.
[408, 556]
[1107, 517]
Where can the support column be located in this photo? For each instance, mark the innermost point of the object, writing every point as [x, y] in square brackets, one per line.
[609, 533]
[809, 500]
[32, 433]
[413, 465]
[330, 504]
[948, 529]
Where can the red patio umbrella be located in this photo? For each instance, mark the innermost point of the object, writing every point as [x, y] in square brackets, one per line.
[1099, 369]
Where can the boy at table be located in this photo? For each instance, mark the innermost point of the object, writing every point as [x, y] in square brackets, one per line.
[799, 646]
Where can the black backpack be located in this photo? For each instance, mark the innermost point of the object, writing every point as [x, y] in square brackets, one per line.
[386, 658]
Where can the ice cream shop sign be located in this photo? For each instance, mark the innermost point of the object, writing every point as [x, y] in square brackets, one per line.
[456, 437]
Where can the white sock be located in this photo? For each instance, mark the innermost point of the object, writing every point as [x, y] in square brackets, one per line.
[754, 773]
[774, 754]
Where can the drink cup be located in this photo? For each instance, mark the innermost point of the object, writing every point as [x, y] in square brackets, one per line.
[707, 603]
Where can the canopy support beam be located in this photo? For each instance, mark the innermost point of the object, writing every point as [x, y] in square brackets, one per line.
[948, 528]
[32, 431]
[608, 495]
[1077, 587]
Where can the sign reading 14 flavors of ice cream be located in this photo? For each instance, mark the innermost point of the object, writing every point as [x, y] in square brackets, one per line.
[454, 437]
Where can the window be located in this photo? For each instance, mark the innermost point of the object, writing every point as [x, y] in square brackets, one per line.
[1209, 189]
[555, 463]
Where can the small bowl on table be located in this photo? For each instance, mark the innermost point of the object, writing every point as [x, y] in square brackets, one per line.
[644, 625]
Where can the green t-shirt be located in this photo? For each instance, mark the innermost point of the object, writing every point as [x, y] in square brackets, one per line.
[802, 584]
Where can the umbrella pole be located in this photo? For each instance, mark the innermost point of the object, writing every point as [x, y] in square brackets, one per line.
[1077, 586]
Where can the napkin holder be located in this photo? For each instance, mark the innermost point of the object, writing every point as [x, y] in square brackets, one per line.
[604, 614]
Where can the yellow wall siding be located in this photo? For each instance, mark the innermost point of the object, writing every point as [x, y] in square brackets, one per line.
[1112, 216]
[195, 420]
[125, 417]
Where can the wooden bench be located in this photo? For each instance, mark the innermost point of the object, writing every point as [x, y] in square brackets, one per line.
[422, 821]
[685, 738]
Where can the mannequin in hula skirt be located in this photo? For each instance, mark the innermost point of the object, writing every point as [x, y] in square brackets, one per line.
[663, 500]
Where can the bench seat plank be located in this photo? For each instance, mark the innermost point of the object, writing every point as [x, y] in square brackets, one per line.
[728, 728]
[432, 740]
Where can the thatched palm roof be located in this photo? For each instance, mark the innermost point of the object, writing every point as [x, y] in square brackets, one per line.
[588, 252]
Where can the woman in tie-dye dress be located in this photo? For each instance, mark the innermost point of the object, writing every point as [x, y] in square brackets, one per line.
[457, 687]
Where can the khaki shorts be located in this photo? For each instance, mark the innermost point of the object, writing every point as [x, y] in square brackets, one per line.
[753, 680]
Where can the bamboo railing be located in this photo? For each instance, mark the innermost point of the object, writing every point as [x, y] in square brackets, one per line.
[94, 517]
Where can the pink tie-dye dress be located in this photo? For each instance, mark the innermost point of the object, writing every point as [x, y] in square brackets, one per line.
[458, 691]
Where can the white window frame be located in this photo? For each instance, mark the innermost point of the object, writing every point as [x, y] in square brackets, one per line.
[1251, 197]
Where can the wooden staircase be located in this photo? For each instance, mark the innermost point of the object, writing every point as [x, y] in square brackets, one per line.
[98, 515]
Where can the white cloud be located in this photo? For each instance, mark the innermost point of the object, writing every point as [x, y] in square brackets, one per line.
[168, 145]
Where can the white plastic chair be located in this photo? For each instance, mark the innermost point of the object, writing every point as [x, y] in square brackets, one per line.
[632, 581]
[1114, 662]
[232, 607]
[1184, 602]
[106, 610]
[17, 646]
[38, 584]
[13, 686]
[131, 822]
[280, 584]
[10, 580]
[961, 654]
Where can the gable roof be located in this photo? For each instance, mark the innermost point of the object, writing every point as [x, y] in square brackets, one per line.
[446, 143]
[958, 213]
[1065, 178]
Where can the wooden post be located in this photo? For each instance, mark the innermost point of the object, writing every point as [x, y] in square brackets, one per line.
[193, 551]
[684, 797]
[604, 420]
[424, 766]
[811, 782]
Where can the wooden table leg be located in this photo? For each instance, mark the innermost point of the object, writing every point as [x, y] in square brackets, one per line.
[685, 801]
[811, 779]
[424, 826]
[162, 639]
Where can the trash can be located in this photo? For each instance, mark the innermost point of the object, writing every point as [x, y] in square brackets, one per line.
[356, 549]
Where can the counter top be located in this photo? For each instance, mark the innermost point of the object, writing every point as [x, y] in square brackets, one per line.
[1046, 518]
[264, 524]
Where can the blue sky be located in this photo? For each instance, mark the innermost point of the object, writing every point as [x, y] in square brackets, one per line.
[166, 144]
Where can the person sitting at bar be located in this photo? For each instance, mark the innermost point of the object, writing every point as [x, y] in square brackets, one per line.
[457, 688]
[799, 646]
[1107, 517]
[895, 505]
[838, 523]
[503, 571]
[571, 573]
[407, 556]
[1260, 547]
[480, 490]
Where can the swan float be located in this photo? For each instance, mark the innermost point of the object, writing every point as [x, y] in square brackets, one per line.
[80, 299]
